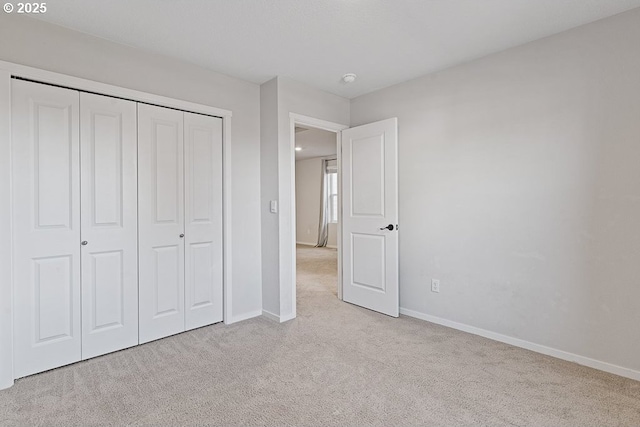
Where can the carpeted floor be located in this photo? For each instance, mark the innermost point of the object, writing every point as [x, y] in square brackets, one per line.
[335, 364]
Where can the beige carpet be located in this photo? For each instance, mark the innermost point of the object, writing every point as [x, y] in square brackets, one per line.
[336, 364]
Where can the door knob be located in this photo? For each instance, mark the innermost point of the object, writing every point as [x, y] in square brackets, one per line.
[388, 227]
[84, 243]
[181, 236]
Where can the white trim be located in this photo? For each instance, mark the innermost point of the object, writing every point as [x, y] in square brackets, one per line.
[339, 235]
[275, 318]
[549, 351]
[269, 315]
[6, 288]
[299, 119]
[245, 316]
[286, 318]
[7, 70]
[78, 83]
[227, 216]
[313, 244]
[316, 123]
[288, 278]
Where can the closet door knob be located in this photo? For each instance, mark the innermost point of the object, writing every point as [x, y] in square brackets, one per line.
[84, 243]
[181, 236]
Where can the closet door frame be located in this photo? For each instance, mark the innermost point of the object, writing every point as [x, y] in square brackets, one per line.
[9, 70]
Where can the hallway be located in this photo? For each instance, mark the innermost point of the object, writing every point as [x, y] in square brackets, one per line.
[317, 271]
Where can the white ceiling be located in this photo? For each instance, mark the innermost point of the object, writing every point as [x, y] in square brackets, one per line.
[316, 41]
[315, 143]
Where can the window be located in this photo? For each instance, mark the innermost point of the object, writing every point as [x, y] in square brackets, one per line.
[332, 178]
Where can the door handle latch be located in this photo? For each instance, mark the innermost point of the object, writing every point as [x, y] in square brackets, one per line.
[388, 227]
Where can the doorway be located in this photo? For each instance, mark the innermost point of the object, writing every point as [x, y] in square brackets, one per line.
[316, 191]
[367, 158]
[316, 211]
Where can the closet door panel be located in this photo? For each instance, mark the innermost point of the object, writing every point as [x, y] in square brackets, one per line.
[46, 227]
[161, 222]
[203, 225]
[108, 138]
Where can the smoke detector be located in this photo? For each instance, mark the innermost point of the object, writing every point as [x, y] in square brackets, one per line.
[349, 78]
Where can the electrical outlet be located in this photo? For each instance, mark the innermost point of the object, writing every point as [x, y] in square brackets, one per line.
[435, 285]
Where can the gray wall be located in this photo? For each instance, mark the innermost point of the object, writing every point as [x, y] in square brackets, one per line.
[308, 187]
[269, 191]
[38, 44]
[520, 190]
[308, 183]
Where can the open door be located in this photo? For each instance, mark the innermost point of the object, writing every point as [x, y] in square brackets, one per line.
[370, 216]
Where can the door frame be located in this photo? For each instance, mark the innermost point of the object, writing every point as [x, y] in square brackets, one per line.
[337, 128]
[9, 70]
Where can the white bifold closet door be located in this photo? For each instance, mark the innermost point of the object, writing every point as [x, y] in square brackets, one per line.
[46, 227]
[180, 262]
[203, 219]
[75, 226]
[160, 221]
[109, 232]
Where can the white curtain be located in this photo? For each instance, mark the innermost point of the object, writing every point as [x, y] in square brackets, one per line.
[323, 226]
[328, 165]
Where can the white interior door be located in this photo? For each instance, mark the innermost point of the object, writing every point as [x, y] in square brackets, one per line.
[161, 222]
[203, 220]
[370, 216]
[108, 141]
[46, 227]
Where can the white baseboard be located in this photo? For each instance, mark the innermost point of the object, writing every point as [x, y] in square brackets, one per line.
[287, 318]
[269, 315]
[244, 316]
[313, 244]
[560, 354]
[280, 319]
